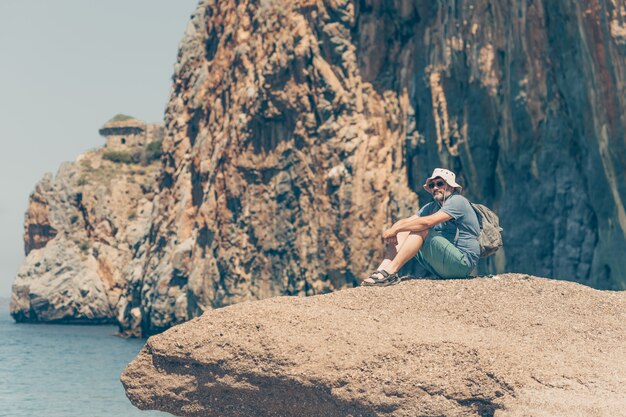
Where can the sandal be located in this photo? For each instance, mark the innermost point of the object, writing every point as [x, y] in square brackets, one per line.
[387, 279]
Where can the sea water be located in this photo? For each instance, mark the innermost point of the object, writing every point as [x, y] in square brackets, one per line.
[52, 370]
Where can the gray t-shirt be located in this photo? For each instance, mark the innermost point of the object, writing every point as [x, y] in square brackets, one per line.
[464, 217]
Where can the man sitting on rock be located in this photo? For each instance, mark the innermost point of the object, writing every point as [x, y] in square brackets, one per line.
[431, 235]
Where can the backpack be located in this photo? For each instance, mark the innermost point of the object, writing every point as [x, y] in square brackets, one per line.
[490, 238]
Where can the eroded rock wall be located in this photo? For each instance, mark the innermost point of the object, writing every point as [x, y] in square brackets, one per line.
[297, 130]
[281, 165]
[525, 100]
[82, 230]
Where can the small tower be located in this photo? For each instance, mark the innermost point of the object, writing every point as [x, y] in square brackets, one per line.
[124, 132]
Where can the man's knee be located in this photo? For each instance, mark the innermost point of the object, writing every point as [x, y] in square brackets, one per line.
[401, 236]
[415, 238]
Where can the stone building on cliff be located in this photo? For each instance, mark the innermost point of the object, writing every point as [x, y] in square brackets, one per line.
[125, 132]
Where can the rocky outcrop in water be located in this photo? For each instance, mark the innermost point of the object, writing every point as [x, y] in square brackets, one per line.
[82, 230]
[423, 347]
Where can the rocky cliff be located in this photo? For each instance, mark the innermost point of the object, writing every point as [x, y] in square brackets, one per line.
[281, 165]
[82, 230]
[421, 348]
[297, 129]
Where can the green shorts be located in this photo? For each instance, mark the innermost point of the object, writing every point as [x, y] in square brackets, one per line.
[439, 256]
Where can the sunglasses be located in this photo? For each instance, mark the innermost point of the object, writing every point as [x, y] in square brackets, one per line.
[439, 184]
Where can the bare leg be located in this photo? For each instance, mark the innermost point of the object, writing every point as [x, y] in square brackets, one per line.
[409, 243]
[392, 250]
[407, 250]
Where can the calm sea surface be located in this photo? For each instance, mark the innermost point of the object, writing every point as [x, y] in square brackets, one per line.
[63, 371]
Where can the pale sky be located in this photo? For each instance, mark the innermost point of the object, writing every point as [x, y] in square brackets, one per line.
[66, 67]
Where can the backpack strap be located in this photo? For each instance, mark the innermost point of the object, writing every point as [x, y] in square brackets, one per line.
[479, 215]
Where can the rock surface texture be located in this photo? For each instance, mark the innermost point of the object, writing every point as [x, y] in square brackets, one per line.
[82, 230]
[420, 348]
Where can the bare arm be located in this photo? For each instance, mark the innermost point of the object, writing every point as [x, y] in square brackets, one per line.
[416, 223]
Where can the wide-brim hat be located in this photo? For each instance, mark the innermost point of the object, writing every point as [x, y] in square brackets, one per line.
[448, 176]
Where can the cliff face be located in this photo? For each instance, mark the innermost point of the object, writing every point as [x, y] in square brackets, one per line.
[297, 128]
[82, 230]
[420, 348]
[281, 166]
[526, 101]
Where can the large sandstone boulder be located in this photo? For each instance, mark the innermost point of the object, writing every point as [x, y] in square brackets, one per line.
[510, 345]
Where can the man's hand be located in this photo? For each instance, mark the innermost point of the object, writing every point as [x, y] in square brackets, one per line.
[389, 233]
[390, 236]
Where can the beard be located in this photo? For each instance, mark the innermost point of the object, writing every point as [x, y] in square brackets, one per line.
[439, 196]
